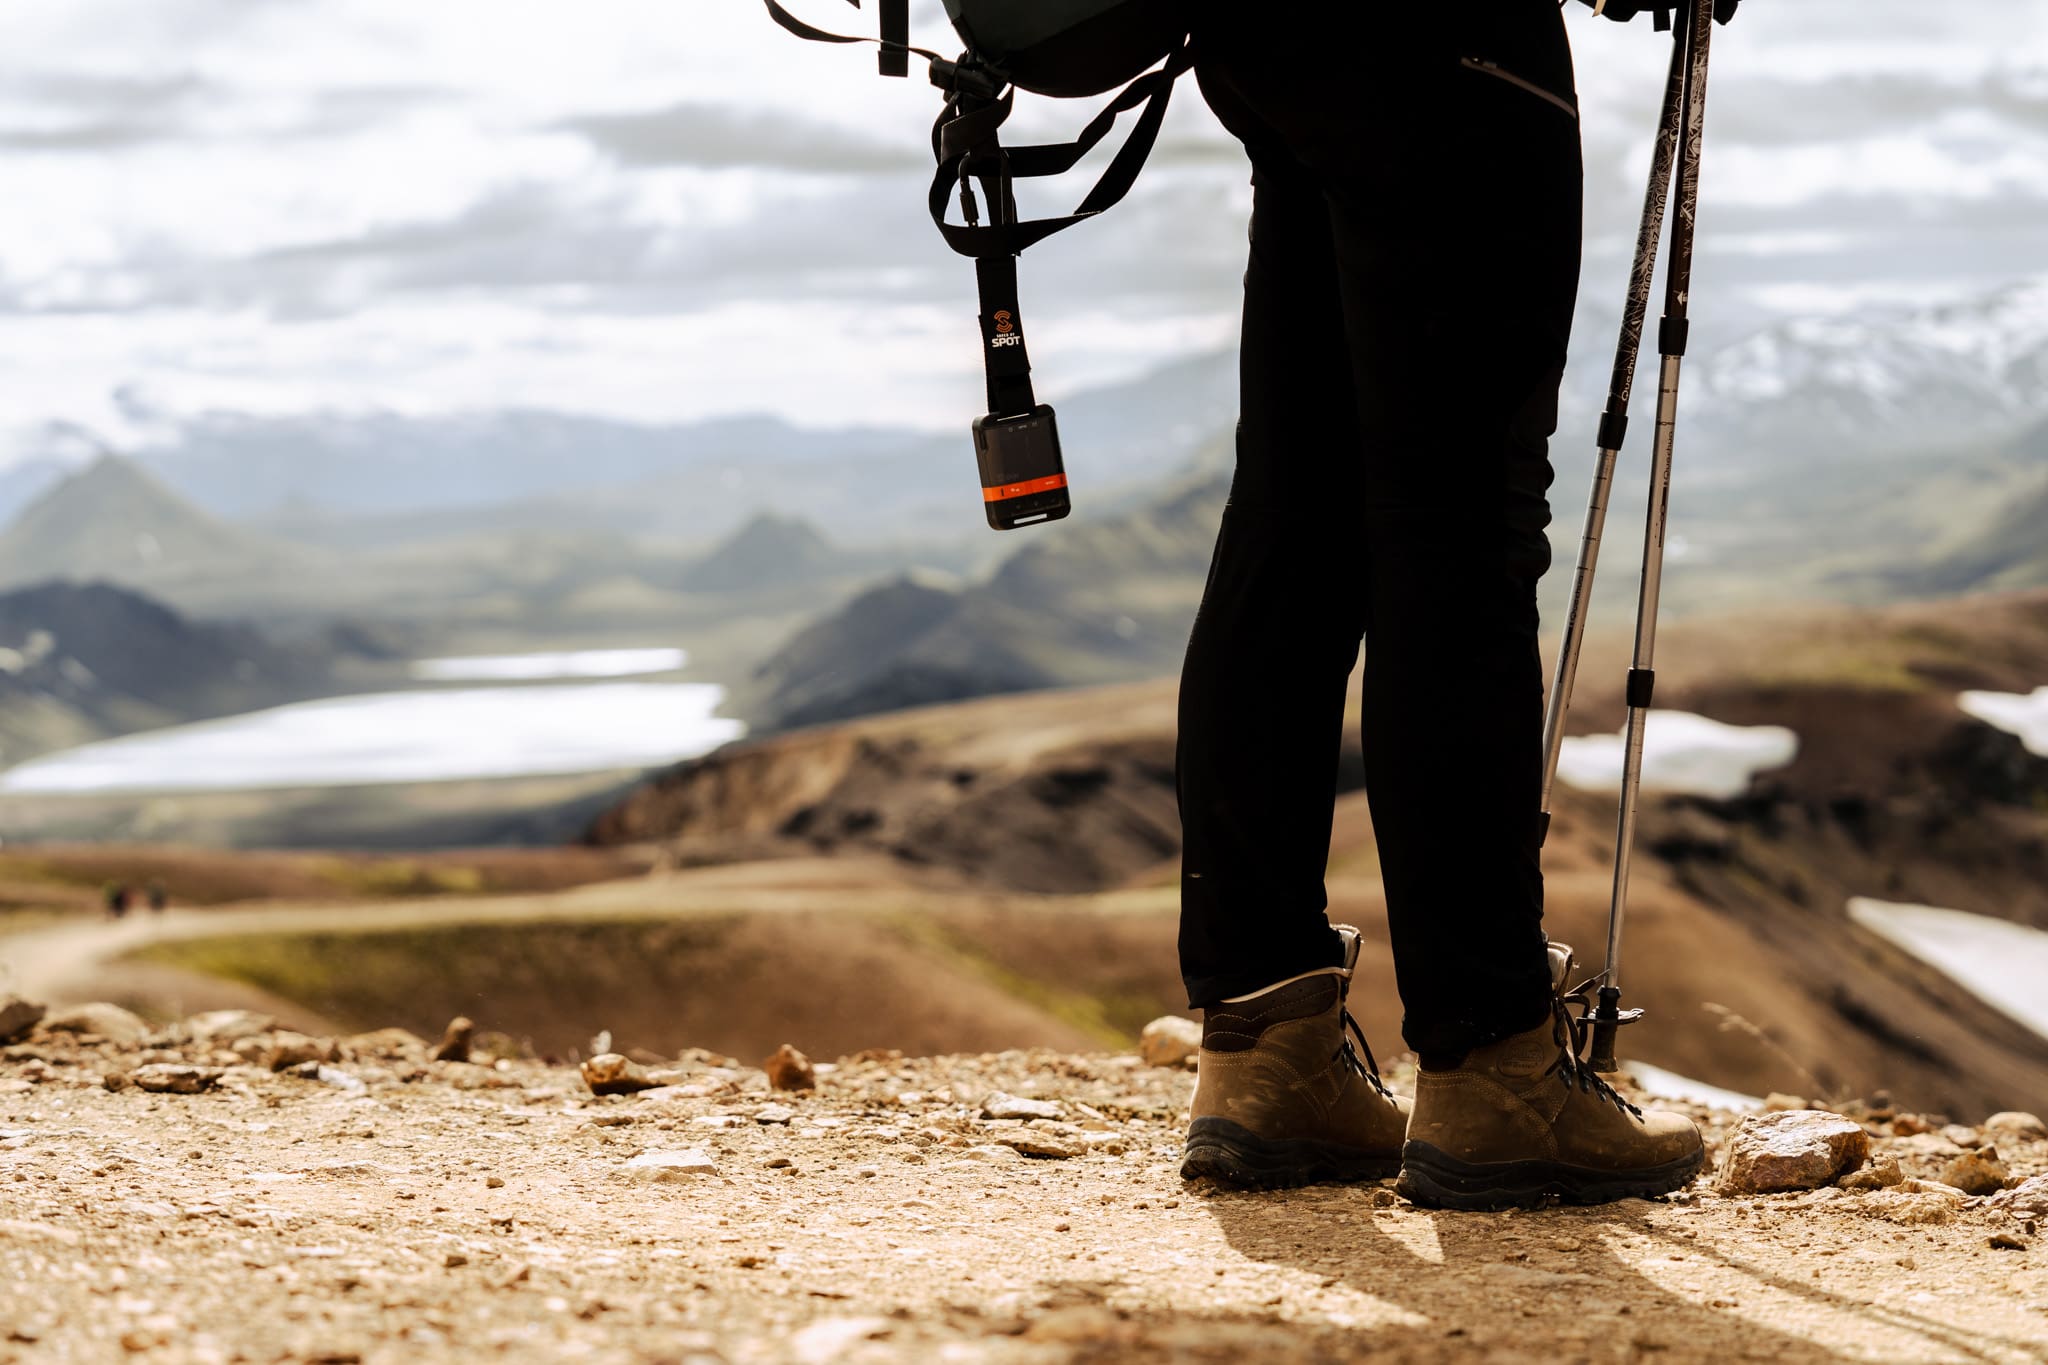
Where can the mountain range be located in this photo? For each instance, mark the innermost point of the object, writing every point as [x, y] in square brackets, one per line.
[83, 661]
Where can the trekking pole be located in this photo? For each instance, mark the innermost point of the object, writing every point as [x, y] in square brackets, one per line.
[1613, 421]
[1642, 677]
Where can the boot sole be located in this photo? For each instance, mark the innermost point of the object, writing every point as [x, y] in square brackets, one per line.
[1433, 1179]
[1231, 1154]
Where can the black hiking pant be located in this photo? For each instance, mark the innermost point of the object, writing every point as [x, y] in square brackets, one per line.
[1414, 262]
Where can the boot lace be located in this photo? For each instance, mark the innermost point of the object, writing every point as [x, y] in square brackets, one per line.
[1570, 1033]
[1365, 1066]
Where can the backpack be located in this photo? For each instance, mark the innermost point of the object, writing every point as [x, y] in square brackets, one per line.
[1059, 48]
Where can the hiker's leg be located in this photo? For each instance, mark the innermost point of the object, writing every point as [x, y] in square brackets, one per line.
[1262, 691]
[1458, 245]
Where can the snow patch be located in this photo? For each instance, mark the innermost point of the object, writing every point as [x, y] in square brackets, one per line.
[1669, 1085]
[1682, 753]
[2001, 963]
[2023, 715]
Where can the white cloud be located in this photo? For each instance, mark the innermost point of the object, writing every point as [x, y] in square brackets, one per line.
[627, 206]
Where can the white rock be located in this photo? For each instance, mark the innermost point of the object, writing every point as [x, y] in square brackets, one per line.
[769, 1114]
[676, 1167]
[1170, 1041]
[1001, 1106]
[223, 1028]
[2013, 1126]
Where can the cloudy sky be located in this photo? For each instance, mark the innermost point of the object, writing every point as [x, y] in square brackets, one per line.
[665, 209]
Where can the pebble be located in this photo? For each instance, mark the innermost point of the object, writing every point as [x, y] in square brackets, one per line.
[100, 1020]
[1978, 1172]
[1798, 1149]
[680, 1166]
[2007, 1241]
[1778, 1102]
[990, 1152]
[769, 1114]
[1170, 1041]
[1000, 1105]
[17, 1017]
[1908, 1125]
[789, 1069]
[162, 1078]
[1962, 1135]
[716, 1121]
[2010, 1126]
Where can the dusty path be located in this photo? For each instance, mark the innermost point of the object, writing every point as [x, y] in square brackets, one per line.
[68, 961]
[450, 1212]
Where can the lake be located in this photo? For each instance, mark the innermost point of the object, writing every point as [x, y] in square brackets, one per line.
[427, 735]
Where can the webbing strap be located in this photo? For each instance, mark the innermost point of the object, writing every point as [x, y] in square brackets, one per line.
[965, 137]
[894, 59]
[1002, 337]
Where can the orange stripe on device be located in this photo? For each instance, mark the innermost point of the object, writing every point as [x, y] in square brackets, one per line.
[1003, 492]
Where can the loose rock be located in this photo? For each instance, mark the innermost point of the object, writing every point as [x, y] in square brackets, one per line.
[1044, 1143]
[17, 1017]
[670, 1167]
[225, 1028]
[770, 1114]
[1962, 1135]
[999, 1105]
[2028, 1199]
[1879, 1175]
[292, 1049]
[2010, 1126]
[1778, 1102]
[611, 1074]
[99, 1020]
[1170, 1041]
[163, 1078]
[1798, 1149]
[455, 1041]
[1914, 1206]
[1978, 1172]
[789, 1069]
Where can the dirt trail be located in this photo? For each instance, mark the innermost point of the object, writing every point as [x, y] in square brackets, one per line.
[69, 961]
[437, 1212]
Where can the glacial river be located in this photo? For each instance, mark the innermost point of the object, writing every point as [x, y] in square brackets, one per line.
[431, 734]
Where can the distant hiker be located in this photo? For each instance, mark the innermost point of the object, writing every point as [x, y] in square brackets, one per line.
[1415, 238]
[159, 898]
[116, 896]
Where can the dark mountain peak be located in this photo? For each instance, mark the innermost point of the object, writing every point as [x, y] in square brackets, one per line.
[769, 551]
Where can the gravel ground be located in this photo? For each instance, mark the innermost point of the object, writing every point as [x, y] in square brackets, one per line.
[384, 1207]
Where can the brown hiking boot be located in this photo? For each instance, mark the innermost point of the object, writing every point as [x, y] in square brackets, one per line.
[1524, 1122]
[1283, 1098]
